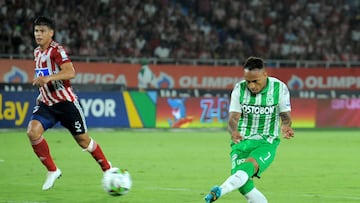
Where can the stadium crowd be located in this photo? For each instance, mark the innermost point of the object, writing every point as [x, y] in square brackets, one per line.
[194, 29]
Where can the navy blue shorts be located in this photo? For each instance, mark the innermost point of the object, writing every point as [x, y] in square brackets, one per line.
[69, 114]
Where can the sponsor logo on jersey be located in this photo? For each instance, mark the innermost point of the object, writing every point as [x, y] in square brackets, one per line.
[258, 109]
[42, 72]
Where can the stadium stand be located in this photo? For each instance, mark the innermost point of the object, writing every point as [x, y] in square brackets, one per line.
[191, 29]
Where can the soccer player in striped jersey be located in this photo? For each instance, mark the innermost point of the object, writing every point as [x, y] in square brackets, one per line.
[56, 102]
[259, 110]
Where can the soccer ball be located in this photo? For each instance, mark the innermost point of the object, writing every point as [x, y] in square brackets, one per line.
[116, 182]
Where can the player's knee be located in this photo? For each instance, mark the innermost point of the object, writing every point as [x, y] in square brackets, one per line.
[32, 134]
[83, 140]
[255, 196]
[254, 162]
[247, 167]
[34, 131]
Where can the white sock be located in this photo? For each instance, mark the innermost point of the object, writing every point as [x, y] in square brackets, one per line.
[234, 182]
[91, 146]
[255, 196]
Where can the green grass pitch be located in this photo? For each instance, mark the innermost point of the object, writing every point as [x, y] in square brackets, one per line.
[177, 166]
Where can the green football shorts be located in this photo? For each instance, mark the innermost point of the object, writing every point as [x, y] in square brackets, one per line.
[261, 150]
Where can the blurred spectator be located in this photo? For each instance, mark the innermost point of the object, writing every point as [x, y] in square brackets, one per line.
[163, 50]
[218, 29]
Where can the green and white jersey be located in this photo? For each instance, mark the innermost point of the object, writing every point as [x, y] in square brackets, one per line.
[260, 112]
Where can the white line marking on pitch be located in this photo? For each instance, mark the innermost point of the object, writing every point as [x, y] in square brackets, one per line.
[332, 196]
[169, 189]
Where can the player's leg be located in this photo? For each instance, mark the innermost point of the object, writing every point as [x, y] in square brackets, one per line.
[264, 155]
[241, 175]
[255, 196]
[39, 122]
[252, 194]
[245, 166]
[89, 144]
[235, 181]
[249, 158]
[72, 118]
[242, 170]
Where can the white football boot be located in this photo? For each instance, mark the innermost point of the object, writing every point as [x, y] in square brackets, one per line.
[51, 178]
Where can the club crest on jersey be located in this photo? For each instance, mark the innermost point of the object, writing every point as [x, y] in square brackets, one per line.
[42, 72]
[270, 100]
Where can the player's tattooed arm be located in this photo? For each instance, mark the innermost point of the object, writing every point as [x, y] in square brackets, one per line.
[286, 122]
[233, 127]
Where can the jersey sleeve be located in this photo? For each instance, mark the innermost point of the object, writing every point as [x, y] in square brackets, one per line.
[235, 105]
[60, 56]
[284, 100]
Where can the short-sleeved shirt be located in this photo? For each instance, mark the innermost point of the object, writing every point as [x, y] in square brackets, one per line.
[260, 112]
[48, 62]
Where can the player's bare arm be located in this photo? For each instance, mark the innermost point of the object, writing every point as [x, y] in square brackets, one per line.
[67, 72]
[286, 129]
[233, 127]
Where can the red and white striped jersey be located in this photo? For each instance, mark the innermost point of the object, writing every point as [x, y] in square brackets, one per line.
[48, 62]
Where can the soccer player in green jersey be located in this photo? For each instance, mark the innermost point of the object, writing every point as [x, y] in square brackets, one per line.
[259, 111]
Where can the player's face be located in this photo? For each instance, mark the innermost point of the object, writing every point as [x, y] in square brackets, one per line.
[255, 80]
[43, 35]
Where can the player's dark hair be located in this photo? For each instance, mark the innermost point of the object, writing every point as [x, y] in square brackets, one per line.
[253, 62]
[42, 20]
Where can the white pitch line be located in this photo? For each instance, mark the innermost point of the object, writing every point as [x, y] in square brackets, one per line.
[306, 195]
[169, 189]
[333, 196]
[25, 201]
[322, 196]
